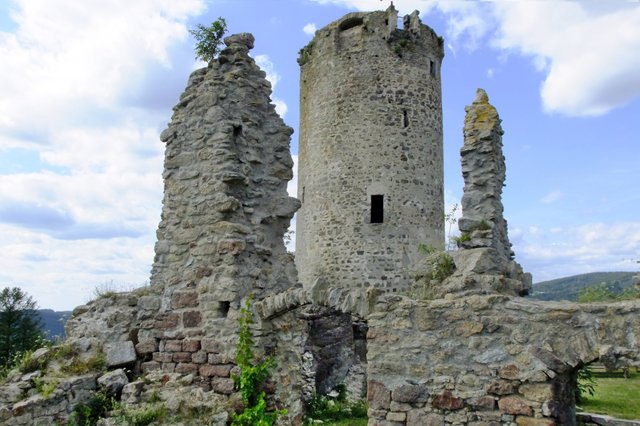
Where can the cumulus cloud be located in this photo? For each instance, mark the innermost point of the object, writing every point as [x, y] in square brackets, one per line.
[593, 247]
[81, 101]
[583, 49]
[310, 29]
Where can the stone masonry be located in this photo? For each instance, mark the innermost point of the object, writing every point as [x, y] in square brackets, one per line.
[476, 353]
[370, 174]
[483, 170]
[484, 262]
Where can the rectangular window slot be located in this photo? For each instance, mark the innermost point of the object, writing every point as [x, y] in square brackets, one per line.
[377, 208]
[432, 68]
[405, 118]
[302, 195]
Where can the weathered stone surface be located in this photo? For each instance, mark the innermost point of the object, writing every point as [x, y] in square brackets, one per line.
[119, 353]
[378, 396]
[447, 401]
[502, 387]
[113, 382]
[409, 393]
[515, 405]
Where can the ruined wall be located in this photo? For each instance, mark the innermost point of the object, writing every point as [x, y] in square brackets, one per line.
[220, 238]
[484, 172]
[370, 124]
[225, 210]
[484, 261]
[488, 359]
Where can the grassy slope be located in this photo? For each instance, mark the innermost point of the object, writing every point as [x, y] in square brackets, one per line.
[568, 288]
[615, 396]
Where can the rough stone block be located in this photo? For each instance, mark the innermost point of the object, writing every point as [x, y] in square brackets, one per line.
[181, 357]
[502, 387]
[167, 321]
[199, 357]
[168, 367]
[515, 405]
[208, 370]
[147, 346]
[420, 418]
[446, 401]
[396, 417]
[120, 353]
[172, 346]
[184, 299]
[410, 393]
[186, 368]
[510, 372]
[482, 402]
[378, 396]
[222, 385]
[191, 319]
[539, 392]
[190, 345]
[113, 382]
[162, 356]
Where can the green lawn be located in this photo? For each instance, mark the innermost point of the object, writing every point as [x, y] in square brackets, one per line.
[615, 395]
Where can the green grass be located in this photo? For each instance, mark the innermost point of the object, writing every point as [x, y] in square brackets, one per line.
[615, 395]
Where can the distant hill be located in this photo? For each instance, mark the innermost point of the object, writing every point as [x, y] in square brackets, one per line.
[568, 288]
[53, 322]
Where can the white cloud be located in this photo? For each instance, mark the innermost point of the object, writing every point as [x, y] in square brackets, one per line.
[310, 29]
[584, 48]
[74, 77]
[490, 72]
[594, 247]
[552, 197]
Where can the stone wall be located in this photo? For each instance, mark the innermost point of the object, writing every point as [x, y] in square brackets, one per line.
[225, 210]
[370, 125]
[488, 359]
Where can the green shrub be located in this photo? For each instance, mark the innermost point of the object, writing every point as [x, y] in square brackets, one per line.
[141, 416]
[252, 376]
[77, 365]
[586, 384]
[45, 387]
[327, 408]
[88, 414]
[209, 39]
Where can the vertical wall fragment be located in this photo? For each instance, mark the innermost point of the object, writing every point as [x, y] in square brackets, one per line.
[484, 238]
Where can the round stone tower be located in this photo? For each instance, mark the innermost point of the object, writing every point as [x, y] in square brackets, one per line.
[370, 151]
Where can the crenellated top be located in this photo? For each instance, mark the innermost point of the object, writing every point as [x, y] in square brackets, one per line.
[359, 30]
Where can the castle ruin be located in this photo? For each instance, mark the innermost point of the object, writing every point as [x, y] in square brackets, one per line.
[475, 352]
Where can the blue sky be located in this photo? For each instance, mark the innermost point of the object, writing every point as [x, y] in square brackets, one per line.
[88, 86]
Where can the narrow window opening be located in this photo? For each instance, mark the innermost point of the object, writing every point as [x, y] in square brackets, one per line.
[223, 308]
[350, 23]
[302, 195]
[432, 68]
[237, 131]
[405, 118]
[377, 208]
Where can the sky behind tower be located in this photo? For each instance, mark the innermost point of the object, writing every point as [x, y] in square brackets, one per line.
[88, 86]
